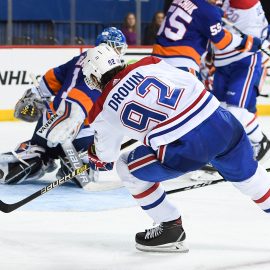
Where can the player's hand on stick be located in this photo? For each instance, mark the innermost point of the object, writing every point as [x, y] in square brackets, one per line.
[95, 163]
[249, 44]
[64, 125]
[29, 108]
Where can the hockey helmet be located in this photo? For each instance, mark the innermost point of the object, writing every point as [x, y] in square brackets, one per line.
[98, 61]
[114, 38]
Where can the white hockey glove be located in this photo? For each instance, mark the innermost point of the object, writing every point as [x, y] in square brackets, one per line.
[30, 107]
[64, 125]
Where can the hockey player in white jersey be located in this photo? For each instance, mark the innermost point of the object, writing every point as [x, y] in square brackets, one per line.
[239, 77]
[181, 127]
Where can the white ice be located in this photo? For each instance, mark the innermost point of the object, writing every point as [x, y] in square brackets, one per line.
[71, 229]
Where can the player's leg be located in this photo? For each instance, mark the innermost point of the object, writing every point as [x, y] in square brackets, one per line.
[143, 169]
[239, 167]
[149, 193]
[241, 94]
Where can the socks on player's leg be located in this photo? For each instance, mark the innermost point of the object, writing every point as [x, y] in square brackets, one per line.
[257, 188]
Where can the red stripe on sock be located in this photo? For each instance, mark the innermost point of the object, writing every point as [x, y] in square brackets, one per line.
[146, 192]
[263, 198]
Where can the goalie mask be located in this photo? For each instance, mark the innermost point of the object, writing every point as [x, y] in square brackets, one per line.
[114, 38]
[98, 61]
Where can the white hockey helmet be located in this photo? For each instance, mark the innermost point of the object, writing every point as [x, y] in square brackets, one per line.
[98, 61]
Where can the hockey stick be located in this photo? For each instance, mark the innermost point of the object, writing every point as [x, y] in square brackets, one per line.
[208, 183]
[226, 21]
[68, 148]
[7, 208]
[205, 184]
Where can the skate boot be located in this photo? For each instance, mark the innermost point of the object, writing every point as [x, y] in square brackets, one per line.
[262, 150]
[167, 237]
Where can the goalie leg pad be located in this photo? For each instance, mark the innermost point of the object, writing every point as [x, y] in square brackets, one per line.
[12, 173]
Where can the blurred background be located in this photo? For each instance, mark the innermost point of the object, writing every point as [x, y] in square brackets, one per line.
[77, 22]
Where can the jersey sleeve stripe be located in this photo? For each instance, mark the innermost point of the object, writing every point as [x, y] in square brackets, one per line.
[183, 112]
[171, 51]
[82, 99]
[182, 123]
[225, 41]
[51, 81]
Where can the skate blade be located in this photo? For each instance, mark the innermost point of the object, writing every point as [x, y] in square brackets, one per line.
[205, 176]
[177, 247]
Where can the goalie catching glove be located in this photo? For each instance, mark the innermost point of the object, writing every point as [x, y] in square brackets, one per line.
[64, 125]
[95, 163]
[29, 108]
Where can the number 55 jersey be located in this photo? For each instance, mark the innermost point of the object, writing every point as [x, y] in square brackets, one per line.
[185, 31]
[150, 101]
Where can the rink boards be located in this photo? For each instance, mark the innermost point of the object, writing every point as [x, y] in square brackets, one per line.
[17, 62]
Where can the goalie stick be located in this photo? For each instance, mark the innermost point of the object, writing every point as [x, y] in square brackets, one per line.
[83, 178]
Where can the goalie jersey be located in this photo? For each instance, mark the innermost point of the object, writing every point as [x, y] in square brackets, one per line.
[67, 82]
[150, 101]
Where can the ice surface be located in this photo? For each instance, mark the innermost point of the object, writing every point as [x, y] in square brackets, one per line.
[71, 229]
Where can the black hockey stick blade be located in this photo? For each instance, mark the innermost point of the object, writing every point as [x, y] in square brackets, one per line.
[7, 208]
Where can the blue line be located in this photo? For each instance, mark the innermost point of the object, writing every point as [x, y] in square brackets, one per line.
[267, 210]
[181, 123]
[156, 203]
[253, 130]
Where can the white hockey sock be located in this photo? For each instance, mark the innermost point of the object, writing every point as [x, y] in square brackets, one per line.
[249, 121]
[149, 195]
[258, 188]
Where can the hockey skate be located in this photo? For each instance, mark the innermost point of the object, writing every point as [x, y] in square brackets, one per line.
[167, 237]
[262, 150]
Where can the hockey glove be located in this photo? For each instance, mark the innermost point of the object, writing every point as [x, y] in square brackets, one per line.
[30, 107]
[249, 44]
[95, 163]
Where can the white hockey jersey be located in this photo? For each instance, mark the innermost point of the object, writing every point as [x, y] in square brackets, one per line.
[249, 19]
[150, 101]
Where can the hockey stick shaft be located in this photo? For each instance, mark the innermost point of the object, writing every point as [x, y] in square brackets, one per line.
[226, 21]
[7, 208]
[195, 186]
[208, 183]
